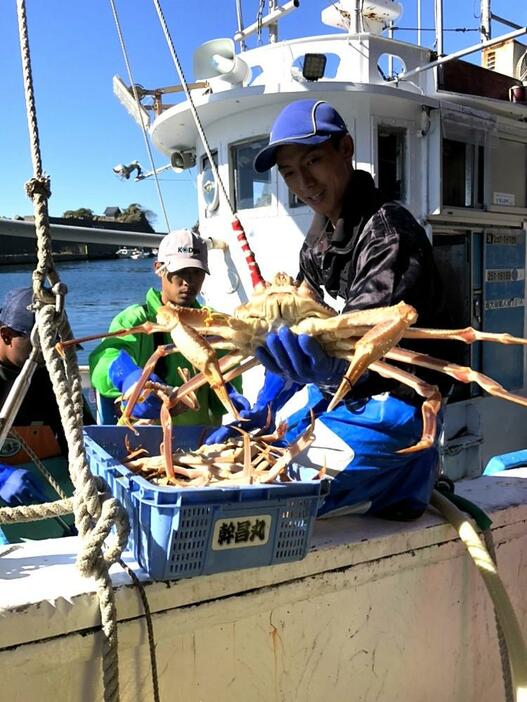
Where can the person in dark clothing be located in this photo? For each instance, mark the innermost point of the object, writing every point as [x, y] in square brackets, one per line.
[370, 253]
[39, 405]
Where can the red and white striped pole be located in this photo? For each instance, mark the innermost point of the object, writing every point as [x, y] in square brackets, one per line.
[256, 277]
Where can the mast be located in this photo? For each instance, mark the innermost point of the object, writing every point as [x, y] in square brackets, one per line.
[486, 16]
[439, 27]
[273, 26]
[239, 18]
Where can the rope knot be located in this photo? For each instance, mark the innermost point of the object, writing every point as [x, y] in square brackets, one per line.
[39, 186]
[94, 558]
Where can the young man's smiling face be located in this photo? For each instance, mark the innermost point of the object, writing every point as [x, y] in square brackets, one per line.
[319, 174]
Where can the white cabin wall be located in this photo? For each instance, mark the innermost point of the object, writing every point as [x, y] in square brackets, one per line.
[274, 234]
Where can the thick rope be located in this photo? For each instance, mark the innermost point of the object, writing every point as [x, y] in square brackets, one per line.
[95, 513]
[34, 513]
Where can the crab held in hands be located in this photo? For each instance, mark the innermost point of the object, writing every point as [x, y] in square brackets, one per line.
[366, 338]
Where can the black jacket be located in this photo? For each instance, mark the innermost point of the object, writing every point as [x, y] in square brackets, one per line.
[377, 255]
[39, 404]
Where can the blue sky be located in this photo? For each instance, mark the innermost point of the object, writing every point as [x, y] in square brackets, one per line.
[84, 130]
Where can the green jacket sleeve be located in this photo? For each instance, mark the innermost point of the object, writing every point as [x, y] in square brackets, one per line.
[107, 351]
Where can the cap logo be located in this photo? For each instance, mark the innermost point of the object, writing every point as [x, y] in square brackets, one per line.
[187, 249]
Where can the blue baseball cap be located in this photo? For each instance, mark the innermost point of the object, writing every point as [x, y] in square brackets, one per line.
[16, 313]
[307, 122]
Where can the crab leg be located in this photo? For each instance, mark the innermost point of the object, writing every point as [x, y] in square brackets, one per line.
[468, 335]
[199, 379]
[304, 441]
[179, 394]
[429, 409]
[134, 396]
[462, 373]
[248, 471]
[190, 399]
[146, 328]
[355, 323]
[201, 354]
[166, 445]
[373, 345]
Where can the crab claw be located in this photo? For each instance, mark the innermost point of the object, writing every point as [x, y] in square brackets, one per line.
[201, 354]
[372, 346]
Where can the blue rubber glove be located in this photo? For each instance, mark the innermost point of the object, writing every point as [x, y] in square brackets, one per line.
[301, 358]
[19, 487]
[275, 392]
[238, 400]
[124, 373]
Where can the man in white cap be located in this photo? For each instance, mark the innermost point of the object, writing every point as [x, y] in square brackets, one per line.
[117, 363]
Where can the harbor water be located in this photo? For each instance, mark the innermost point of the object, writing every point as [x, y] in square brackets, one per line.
[97, 291]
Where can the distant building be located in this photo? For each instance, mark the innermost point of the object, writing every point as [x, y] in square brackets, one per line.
[112, 212]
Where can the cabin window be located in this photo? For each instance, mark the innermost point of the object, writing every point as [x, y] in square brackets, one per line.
[391, 149]
[251, 189]
[209, 187]
[463, 174]
[508, 174]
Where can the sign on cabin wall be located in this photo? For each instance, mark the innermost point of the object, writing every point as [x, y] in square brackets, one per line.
[507, 199]
[504, 303]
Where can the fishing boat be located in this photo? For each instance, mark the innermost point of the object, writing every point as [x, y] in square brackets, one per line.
[377, 610]
[137, 254]
[123, 252]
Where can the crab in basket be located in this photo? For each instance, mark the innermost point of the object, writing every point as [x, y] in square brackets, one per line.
[367, 338]
[252, 458]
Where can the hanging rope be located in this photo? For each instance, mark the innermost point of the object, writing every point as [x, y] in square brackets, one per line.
[96, 510]
[256, 276]
[138, 103]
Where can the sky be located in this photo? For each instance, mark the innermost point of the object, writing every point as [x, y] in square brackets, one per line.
[84, 130]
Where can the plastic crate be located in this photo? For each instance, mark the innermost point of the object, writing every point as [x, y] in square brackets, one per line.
[181, 532]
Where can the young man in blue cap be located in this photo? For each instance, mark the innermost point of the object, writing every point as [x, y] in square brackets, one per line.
[371, 253]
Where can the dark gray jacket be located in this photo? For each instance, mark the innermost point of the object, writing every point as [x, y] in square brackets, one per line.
[377, 255]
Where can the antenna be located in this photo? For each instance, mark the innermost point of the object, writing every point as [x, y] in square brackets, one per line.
[127, 100]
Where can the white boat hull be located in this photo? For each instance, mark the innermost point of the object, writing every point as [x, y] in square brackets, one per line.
[376, 611]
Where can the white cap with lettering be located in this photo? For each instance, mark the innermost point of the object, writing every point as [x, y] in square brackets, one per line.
[180, 249]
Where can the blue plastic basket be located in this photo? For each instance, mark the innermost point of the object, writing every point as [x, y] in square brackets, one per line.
[177, 533]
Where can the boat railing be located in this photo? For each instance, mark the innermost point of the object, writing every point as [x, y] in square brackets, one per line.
[356, 58]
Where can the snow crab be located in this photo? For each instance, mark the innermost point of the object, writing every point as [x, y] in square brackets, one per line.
[367, 338]
[245, 460]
